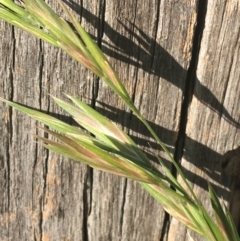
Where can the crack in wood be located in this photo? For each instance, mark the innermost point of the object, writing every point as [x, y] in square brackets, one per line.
[190, 81]
[123, 205]
[188, 92]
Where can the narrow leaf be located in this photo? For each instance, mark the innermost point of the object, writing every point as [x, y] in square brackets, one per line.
[48, 120]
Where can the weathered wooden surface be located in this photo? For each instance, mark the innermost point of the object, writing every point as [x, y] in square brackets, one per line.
[214, 114]
[179, 61]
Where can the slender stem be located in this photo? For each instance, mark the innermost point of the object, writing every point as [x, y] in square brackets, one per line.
[143, 120]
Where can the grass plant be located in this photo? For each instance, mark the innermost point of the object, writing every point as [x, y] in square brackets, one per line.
[105, 146]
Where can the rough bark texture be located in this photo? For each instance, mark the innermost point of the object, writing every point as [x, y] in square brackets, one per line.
[179, 61]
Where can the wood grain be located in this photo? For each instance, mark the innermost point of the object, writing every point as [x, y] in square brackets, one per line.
[179, 62]
[213, 113]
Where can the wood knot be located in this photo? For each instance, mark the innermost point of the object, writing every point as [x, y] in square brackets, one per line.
[230, 165]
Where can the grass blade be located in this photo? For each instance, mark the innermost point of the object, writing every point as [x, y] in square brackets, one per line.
[225, 224]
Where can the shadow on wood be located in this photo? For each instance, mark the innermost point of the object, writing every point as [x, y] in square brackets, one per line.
[149, 56]
[164, 66]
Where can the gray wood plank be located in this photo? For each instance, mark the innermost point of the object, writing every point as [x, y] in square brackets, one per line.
[143, 49]
[47, 197]
[213, 115]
